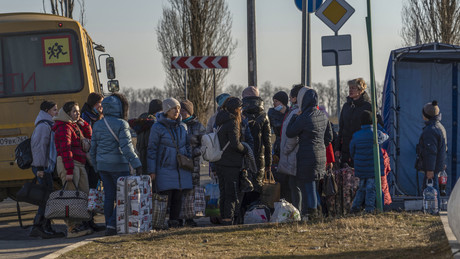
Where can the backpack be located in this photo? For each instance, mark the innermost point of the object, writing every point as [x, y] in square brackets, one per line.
[210, 146]
[23, 152]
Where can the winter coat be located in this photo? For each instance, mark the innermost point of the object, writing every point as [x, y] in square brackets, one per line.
[40, 140]
[234, 153]
[105, 149]
[194, 132]
[259, 125]
[88, 114]
[350, 122]
[289, 147]
[142, 127]
[67, 140]
[433, 144]
[362, 151]
[314, 135]
[161, 154]
[276, 122]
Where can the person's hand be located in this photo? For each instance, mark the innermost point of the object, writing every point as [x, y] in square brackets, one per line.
[81, 122]
[139, 171]
[40, 174]
[69, 177]
[299, 112]
[152, 177]
[429, 174]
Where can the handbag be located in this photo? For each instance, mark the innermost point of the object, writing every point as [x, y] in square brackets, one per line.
[68, 204]
[96, 199]
[270, 190]
[183, 161]
[33, 193]
[200, 202]
[188, 203]
[329, 185]
[85, 143]
[245, 184]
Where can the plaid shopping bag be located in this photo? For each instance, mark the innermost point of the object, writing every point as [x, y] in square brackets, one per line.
[188, 203]
[159, 209]
[200, 203]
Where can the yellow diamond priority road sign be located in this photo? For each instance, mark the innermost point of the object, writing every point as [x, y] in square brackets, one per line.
[334, 13]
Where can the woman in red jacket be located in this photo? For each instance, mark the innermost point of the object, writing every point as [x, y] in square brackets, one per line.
[69, 130]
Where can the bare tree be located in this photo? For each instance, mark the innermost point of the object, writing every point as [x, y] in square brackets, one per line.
[195, 28]
[61, 7]
[139, 99]
[426, 21]
[82, 12]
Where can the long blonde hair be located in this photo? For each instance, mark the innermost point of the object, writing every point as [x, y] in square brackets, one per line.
[358, 82]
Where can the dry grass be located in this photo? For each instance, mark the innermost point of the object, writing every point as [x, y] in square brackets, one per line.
[389, 235]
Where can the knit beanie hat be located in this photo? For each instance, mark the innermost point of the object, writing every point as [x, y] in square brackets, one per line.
[220, 99]
[250, 91]
[155, 106]
[232, 104]
[366, 118]
[46, 106]
[282, 97]
[431, 110]
[187, 105]
[170, 103]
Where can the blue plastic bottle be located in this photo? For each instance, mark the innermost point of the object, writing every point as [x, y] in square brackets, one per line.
[430, 198]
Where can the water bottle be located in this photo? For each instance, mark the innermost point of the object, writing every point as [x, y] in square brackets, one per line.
[430, 198]
[442, 180]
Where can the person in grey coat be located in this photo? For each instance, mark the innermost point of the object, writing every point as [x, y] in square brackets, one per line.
[111, 155]
[432, 146]
[41, 142]
[288, 153]
[311, 126]
[168, 136]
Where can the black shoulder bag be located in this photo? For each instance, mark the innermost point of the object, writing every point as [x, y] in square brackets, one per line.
[183, 161]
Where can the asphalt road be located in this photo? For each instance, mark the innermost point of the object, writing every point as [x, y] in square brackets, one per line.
[15, 242]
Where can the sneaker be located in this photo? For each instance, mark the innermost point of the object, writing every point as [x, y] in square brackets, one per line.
[78, 231]
[190, 223]
[110, 232]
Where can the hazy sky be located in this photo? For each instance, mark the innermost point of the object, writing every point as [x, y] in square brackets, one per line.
[127, 29]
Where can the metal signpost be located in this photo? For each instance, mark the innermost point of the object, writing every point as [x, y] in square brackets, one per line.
[200, 62]
[334, 13]
[307, 7]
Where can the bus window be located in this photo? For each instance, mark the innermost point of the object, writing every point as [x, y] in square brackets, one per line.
[37, 64]
[92, 64]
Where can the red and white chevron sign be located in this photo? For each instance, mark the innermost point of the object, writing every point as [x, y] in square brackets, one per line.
[199, 62]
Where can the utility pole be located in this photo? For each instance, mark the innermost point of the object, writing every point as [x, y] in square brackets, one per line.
[252, 53]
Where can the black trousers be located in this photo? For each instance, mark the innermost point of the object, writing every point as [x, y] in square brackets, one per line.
[229, 186]
[174, 203]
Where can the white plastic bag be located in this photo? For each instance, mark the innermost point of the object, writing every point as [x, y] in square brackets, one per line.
[96, 199]
[285, 212]
[257, 214]
[453, 210]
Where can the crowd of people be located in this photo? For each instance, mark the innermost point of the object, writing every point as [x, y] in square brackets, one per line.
[95, 144]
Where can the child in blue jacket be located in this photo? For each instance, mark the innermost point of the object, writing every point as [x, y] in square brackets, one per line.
[361, 151]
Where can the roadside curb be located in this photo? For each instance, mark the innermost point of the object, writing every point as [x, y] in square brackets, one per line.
[67, 249]
[453, 242]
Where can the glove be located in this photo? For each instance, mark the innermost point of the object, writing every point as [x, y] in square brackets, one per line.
[139, 171]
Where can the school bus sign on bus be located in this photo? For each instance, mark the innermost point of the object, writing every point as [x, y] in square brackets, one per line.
[43, 57]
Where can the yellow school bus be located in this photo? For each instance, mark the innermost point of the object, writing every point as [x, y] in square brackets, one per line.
[43, 57]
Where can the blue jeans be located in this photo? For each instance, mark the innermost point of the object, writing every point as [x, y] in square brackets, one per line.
[47, 180]
[110, 191]
[309, 196]
[365, 195]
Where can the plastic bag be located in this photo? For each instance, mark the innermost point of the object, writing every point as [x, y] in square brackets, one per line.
[212, 195]
[257, 214]
[96, 199]
[285, 212]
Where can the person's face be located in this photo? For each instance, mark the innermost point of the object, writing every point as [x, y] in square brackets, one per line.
[353, 91]
[184, 113]
[53, 111]
[276, 103]
[75, 113]
[173, 113]
[293, 99]
[98, 106]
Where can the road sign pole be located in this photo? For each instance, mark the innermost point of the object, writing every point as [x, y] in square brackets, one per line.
[308, 51]
[378, 186]
[252, 50]
[214, 84]
[185, 84]
[337, 72]
[304, 43]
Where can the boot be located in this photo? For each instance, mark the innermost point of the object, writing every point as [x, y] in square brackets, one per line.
[95, 226]
[38, 231]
